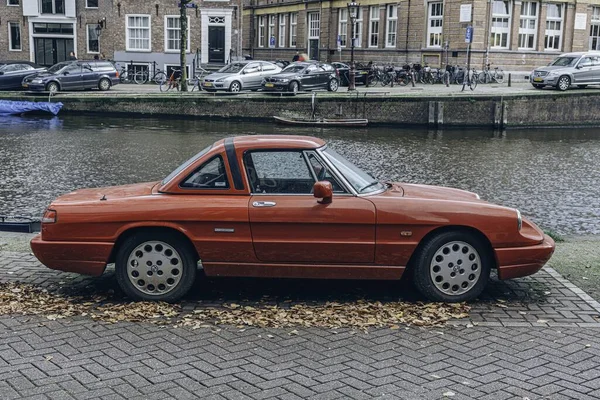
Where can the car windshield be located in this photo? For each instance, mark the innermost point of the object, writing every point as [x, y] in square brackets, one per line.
[186, 164]
[294, 68]
[57, 67]
[232, 68]
[359, 179]
[564, 62]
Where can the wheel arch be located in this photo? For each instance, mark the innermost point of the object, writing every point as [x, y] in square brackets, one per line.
[169, 230]
[239, 82]
[53, 81]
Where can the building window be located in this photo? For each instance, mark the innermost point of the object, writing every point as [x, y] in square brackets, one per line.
[500, 32]
[91, 3]
[314, 25]
[434, 24]
[93, 41]
[14, 36]
[261, 31]
[281, 30]
[53, 6]
[392, 25]
[554, 19]
[138, 33]
[343, 26]
[358, 28]
[12, 2]
[528, 25]
[373, 26]
[293, 25]
[595, 29]
[173, 33]
[271, 28]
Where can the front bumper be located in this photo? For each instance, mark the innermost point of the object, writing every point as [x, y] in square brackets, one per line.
[516, 262]
[544, 80]
[275, 87]
[34, 87]
[89, 258]
[215, 86]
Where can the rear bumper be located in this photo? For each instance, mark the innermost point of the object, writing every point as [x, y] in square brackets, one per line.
[523, 261]
[87, 258]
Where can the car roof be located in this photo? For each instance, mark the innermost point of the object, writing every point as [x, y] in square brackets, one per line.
[3, 62]
[580, 53]
[277, 142]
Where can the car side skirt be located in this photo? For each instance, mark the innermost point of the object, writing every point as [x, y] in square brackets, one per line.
[308, 271]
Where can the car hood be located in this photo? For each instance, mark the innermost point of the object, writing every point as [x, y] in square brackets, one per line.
[552, 68]
[219, 75]
[40, 75]
[436, 192]
[106, 193]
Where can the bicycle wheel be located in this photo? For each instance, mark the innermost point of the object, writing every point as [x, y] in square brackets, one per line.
[166, 85]
[482, 77]
[141, 77]
[499, 77]
[124, 76]
[159, 78]
[473, 82]
[385, 80]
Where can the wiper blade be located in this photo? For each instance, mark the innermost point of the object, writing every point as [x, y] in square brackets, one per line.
[368, 186]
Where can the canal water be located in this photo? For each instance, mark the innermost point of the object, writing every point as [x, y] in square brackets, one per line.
[551, 175]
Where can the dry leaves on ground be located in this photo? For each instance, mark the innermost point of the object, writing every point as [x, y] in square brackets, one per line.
[24, 299]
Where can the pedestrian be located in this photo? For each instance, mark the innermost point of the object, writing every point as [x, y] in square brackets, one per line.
[296, 57]
[303, 57]
[96, 57]
[72, 56]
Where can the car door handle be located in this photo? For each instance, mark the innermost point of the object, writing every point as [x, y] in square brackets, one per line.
[263, 204]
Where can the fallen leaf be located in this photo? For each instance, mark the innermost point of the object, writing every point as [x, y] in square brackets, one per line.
[449, 394]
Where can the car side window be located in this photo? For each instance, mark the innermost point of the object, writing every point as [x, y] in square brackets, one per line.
[311, 69]
[322, 173]
[252, 67]
[586, 62]
[210, 175]
[282, 172]
[73, 69]
[268, 67]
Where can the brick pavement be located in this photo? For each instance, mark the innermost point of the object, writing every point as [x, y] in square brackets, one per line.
[535, 338]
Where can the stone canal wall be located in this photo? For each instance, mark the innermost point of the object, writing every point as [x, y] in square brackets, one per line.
[538, 108]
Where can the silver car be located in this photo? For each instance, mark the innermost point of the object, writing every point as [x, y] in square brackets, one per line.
[569, 69]
[240, 75]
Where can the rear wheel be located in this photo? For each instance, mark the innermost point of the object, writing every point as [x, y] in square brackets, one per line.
[160, 78]
[155, 266]
[499, 77]
[452, 267]
[333, 85]
[563, 83]
[104, 84]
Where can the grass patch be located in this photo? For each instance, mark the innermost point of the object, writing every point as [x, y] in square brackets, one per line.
[557, 238]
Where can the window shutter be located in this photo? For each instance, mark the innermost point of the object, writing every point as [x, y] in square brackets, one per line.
[70, 8]
[30, 8]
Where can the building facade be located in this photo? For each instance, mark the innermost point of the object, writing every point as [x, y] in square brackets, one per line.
[140, 32]
[513, 34]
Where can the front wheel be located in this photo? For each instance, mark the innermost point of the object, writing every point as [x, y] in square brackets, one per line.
[452, 267]
[155, 266]
[473, 83]
[235, 87]
[293, 88]
[333, 85]
[499, 77]
[563, 83]
[52, 87]
[159, 78]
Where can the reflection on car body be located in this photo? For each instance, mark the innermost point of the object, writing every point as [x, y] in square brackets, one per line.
[241, 75]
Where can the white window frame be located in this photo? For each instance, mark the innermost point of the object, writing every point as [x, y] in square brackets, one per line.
[261, 31]
[10, 44]
[391, 12]
[167, 29]
[553, 21]
[314, 25]
[91, 7]
[358, 28]
[271, 30]
[294, 29]
[149, 28]
[87, 38]
[64, 4]
[525, 19]
[343, 26]
[281, 32]
[501, 24]
[435, 24]
[374, 23]
[595, 29]
[13, 5]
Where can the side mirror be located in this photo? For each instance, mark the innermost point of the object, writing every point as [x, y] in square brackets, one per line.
[66, 73]
[324, 191]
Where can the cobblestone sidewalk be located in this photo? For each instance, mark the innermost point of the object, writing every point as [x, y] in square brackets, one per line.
[533, 338]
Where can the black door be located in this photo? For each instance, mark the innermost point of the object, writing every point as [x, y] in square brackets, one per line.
[216, 44]
[313, 50]
[49, 51]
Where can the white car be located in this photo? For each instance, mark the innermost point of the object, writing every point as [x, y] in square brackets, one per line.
[240, 75]
[580, 69]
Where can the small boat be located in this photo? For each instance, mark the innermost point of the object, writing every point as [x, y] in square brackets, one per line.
[323, 121]
[9, 107]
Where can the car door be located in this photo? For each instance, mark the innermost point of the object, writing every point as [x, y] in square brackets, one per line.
[89, 77]
[310, 77]
[267, 69]
[288, 223]
[251, 75]
[11, 76]
[70, 77]
[583, 72]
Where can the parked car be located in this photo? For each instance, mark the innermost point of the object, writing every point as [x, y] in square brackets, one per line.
[286, 206]
[74, 75]
[580, 69]
[13, 72]
[303, 76]
[240, 75]
[360, 76]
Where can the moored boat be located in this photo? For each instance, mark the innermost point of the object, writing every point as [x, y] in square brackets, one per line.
[9, 107]
[323, 121]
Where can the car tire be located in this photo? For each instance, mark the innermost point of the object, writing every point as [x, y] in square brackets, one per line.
[294, 88]
[155, 266]
[563, 83]
[52, 87]
[333, 85]
[538, 86]
[235, 87]
[104, 84]
[452, 267]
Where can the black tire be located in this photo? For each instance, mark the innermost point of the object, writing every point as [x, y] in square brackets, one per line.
[52, 87]
[424, 267]
[294, 87]
[235, 87]
[183, 272]
[537, 86]
[333, 85]
[563, 83]
[104, 84]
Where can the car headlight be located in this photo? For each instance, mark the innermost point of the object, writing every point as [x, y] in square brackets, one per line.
[36, 81]
[220, 79]
[284, 80]
[519, 220]
[553, 73]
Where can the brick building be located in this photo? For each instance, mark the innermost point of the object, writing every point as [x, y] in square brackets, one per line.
[514, 34]
[138, 31]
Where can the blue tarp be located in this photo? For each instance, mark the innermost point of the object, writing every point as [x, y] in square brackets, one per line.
[8, 107]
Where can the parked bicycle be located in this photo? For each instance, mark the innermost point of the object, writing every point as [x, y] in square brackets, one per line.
[173, 82]
[144, 76]
[196, 82]
[470, 79]
[489, 76]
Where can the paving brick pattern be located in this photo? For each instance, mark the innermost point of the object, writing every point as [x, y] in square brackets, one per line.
[537, 337]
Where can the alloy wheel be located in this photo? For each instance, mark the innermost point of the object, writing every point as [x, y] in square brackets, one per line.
[455, 268]
[563, 83]
[235, 87]
[154, 268]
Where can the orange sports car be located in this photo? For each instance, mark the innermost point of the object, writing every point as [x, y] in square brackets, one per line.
[290, 207]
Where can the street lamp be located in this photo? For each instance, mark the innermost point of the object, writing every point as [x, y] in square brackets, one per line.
[352, 11]
[100, 26]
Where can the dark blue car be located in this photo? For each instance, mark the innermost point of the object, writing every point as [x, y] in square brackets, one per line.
[13, 72]
[74, 75]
